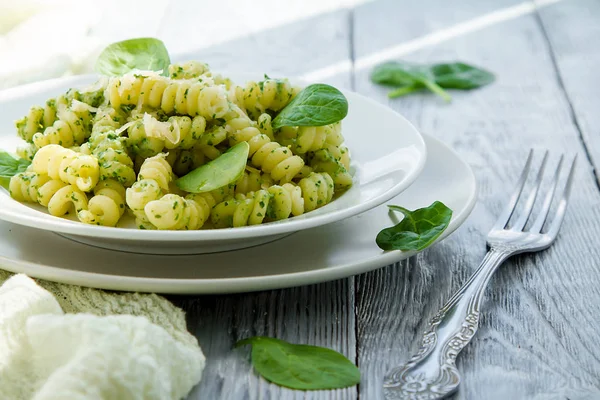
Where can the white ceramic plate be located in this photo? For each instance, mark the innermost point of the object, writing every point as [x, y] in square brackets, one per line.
[315, 255]
[387, 155]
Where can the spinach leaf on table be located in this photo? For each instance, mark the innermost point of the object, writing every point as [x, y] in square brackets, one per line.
[409, 78]
[417, 230]
[406, 76]
[299, 366]
[316, 105]
[461, 76]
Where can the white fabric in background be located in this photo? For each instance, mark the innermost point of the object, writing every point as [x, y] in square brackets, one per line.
[46, 354]
[44, 39]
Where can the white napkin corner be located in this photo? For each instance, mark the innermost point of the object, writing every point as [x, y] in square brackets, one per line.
[46, 354]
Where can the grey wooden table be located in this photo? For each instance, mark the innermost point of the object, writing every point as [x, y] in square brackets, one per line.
[540, 327]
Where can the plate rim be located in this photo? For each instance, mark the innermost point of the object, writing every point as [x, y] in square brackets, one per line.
[240, 284]
[291, 225]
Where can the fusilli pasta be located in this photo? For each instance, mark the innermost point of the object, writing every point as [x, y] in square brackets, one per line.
[118, 147]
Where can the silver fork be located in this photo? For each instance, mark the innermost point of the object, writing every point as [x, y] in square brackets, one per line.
[431, 373]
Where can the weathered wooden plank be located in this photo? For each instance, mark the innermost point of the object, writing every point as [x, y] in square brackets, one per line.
[321, 315]
[573, 31]
[537, 336]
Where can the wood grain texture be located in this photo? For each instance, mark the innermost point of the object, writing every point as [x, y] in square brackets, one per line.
[321, 315]
[538, 332]
[572, 29]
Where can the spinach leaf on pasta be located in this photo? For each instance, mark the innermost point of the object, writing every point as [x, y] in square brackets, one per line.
[223, 170]
[148, 54]
[316, 105]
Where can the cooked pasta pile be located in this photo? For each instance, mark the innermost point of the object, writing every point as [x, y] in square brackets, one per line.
[118, 147]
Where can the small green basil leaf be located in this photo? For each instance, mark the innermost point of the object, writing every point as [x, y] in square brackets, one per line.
[148, 54]
[223, 170]
[316, 105]
[461, 76]
[299, 366]
[10, 166]
[417, 230]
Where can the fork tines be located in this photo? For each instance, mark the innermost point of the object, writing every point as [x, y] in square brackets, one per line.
[519, 208]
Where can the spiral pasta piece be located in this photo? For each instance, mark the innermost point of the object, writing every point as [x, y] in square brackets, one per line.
[72, 126]
[33, 122]
[68, 166]
[58, 196]
[249, 209]
[269, 94]
[278, 161]
[312, 192]
[108, 146]
[24, 186]
[310, 138]
[39, 118]
[153, 182]
[157, 169]
[106, 206]
[317, 190]
[334, 134]
[340, 154]
[265, 125]
[148, 136]
[27, 152]
[324, 161]
[253, 180]
[61, 201]
[277, 93]
[283, 201]
[270, 157]
[174, 212]
[188, 97]
[188, 70]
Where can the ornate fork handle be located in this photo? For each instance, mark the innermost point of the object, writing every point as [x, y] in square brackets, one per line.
[431, 373]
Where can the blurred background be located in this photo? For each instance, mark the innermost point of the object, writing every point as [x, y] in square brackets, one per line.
[41, 39]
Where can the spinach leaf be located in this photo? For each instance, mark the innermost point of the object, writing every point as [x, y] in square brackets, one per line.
[316, 105]
[298, 366]
[10, 166]
[223, 170]
[417, 230]
[409, 78]
[119, 58]
[405, 75]
[394, 73]
[461, 76]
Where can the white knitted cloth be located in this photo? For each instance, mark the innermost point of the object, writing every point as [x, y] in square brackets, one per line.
[67, 342]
